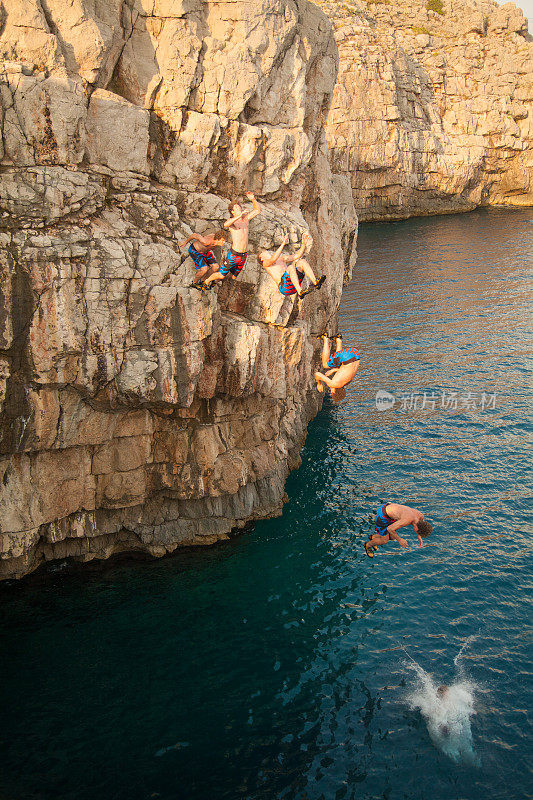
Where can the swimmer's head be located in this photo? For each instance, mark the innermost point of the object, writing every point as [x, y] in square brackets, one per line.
[442, 691]
[219, 237]
[338, 395]
[424, 528]
[262, 257]
[234, 208]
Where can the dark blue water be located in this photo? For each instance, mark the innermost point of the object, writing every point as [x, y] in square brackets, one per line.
[269, 667]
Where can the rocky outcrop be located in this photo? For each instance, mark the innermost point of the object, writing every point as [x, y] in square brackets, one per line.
[433, 109]
[137, 414]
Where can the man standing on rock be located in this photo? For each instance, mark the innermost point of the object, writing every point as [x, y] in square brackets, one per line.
[237, 254]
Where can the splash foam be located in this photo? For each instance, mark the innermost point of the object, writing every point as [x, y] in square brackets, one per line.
[447, 710]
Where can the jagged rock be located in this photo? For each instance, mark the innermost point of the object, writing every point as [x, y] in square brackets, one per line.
[432, 112]
[137, 413]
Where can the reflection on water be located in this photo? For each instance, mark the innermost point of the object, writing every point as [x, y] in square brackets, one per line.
[273, 666]
[440, 307]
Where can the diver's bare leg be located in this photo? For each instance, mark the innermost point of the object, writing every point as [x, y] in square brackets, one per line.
[305, 266]
[326, 351]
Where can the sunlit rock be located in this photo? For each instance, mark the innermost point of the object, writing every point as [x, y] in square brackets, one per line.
[137, 414]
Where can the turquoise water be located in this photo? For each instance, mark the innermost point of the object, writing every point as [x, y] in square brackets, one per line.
[270, 666]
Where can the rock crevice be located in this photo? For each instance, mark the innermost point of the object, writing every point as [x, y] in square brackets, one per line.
[137, 414]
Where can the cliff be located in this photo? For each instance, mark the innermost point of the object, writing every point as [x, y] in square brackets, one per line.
[136, 413]
[433, 108]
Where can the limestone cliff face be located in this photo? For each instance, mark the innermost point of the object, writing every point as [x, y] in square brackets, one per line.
[135, 412]
[433, 109]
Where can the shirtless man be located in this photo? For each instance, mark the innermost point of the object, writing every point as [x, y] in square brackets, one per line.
[237, 254]
[390, 518]
[201, 254]
[288, 272]
[342, 365]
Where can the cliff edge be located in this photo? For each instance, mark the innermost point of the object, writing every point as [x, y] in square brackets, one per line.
[136, 413]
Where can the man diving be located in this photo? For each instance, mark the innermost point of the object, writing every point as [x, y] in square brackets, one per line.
[390, 518]
[237, 254]
[341, 368]
[200, 252]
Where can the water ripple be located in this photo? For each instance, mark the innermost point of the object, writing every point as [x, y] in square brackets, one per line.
[274, 666]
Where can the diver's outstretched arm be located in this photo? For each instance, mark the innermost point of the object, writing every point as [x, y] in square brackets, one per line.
[256, 209]
[328, 381]
[394, 535]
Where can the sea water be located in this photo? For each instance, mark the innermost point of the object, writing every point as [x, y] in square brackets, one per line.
[278, 665]
[447, 709]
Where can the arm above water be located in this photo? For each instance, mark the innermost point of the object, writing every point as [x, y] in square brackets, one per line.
[402, 522]
[396, 536]
[399, 523]
[415, 526]
[333, 383]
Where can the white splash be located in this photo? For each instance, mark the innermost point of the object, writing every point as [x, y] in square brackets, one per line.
[447, 710]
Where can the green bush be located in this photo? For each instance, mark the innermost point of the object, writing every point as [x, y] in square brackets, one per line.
[416, 30]
[436, 6]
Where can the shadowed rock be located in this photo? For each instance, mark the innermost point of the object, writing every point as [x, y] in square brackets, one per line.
[137, 413]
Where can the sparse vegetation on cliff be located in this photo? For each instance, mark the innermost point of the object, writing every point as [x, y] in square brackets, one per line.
[436, 6]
